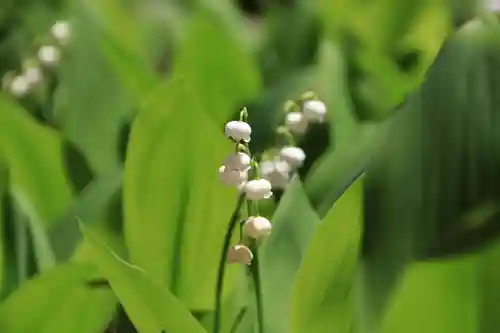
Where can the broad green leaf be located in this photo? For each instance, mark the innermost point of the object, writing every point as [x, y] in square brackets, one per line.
[58, 301]
[32, 154]
[89, 206]
[223, 78]
[489, 274]
[280, 256]
[340, 166]
[441, 166]
[3, 193]
[436, 297]
[323, 294]
[173, 197]
[90, 104]
[172, 194]
[150, 306]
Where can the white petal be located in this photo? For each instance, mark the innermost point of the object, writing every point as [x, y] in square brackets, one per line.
[294, 156]
[314, 110]
[238, 130]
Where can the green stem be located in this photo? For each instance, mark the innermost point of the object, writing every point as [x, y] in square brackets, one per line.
[253, 210]
[21, 245]
[255, 271]
[233, 222]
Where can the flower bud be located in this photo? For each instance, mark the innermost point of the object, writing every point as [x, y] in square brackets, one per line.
[232, 177]
[293, 156]
[61, 32]
[257, 227]
[238, 130]
[296, 122]
[33, 75]
[314, 111]
[49, 55]
[239, 254]
[19, 86]
[238, 161]
[276, 172]
[258, 189]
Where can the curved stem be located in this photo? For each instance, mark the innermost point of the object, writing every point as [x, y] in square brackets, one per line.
[255, 271]
[233, 222]
[253, 210]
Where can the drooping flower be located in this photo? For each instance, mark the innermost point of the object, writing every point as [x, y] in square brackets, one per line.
[49, 55]
[296, 122]
[258, 189]
[19, 86]
[239, 254]
[61, 32]
[314, 111]
[257, 227]
[238, 130]
[276, 172]
[293, 156]
[230, 177]
[33, 75]
[238, 161]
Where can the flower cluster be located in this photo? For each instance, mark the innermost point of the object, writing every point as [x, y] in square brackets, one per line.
[241, 171]
[308, 110]
[20, 84]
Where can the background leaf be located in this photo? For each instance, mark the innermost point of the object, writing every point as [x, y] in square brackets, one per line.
[58, 300]
[280, 256]
[323, 293]
[151, 307]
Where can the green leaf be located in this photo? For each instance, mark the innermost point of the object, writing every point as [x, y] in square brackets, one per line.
[223, 78]
[171, 192]
[173, 197]
[90, 103]
[58, 301]
[450, 302]
[442, 166]
[89, 206]
[323, 295]
[150, 306]
[280, 256]
[3, 223]
[32, 153]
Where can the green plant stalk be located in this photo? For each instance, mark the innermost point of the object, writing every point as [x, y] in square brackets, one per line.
[233, 222]
[253, 210]
[21, 245]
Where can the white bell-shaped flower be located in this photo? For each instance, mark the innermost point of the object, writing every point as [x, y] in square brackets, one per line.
[258, 189]
[49, 55]
[230, 177]
[276, 172]
[33, 75]
[238, 130]
[257, 227]
[239, 254]
[293, 156]
[19, 86]
[314, 111]
[61, 32]
[296, 122]
[238, 161]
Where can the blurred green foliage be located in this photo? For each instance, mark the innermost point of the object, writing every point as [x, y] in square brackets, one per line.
[391, 226]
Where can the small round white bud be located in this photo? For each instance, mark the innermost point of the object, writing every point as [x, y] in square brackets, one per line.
[276, 172]
[314, 111]
[258, 189]
[33, 75]
[238, 130]
[296, 122]
[238, 161]
[61, 31]
[239, 254]
[232, 177]
[257, 227]
[19, 86]
[293, 156]
[49, 55]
